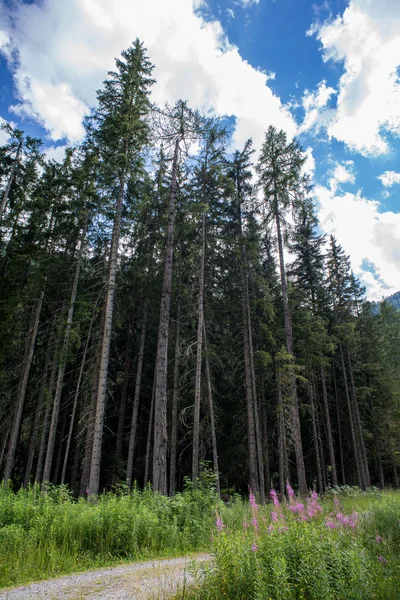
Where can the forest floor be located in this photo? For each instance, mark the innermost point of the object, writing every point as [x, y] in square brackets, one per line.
[151, 580]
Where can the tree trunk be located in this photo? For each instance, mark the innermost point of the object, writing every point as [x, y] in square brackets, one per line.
[351, 422]
[264, 430]
[149, 434]
[281, 437]
[315, 433]
[63, 362]
[39, 408]
[63, 427]
[160, 401]
[294, 404]
[175, 400]
[136, 399]
[10, 180]
[199, 354]
[328, 428]
[46, 419]
[339, 426]
[212, 416]
[23, 388]
[94, 477]
[124, 394]
[358, 427]
[75, 404]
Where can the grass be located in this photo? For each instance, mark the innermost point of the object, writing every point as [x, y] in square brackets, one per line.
[343, 550]
[256, 557]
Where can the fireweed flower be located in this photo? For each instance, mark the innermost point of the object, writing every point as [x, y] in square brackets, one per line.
[253, 503]
[254, 547]
[255, 524]
[219, 524]
[382, 559]
[274, 497]
[378, 539]
[290, 492]
[245, 525]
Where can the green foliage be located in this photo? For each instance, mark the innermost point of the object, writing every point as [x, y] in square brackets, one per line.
[308, 560]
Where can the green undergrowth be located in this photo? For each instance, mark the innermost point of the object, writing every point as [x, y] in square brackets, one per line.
[46, 535]
[344, 548]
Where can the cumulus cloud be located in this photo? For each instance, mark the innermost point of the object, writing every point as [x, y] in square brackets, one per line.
[370, 237]
[317, 115]
[63, 55]
[389, 178]
[366, 40]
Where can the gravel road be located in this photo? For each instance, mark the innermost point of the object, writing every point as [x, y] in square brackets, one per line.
[152, 580]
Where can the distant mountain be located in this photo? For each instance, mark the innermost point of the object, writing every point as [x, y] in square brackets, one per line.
[394, 300]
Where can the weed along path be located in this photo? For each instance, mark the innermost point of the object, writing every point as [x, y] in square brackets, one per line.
[152, 580]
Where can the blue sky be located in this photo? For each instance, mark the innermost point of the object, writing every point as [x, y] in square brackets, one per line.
[326, 71]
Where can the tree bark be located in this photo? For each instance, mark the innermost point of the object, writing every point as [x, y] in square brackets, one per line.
[124, 394]
[136, 399]
[265, 444]
[175, 401]
[351, 421]
[46, 419]
[160, 401]
[57, 465]
[94, 477]
[149, 434]
[339, 426]
[63, 362]
[328, 428]
[212, 415]
[199, 354]
[75, 404]
[294, 404]
[23, 388]
[315, 433]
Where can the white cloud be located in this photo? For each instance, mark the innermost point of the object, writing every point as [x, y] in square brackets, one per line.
[56, 153]
[366, 39]
[3, 135]
[314, 104]
[369, 236]
[65, 52]
[309, 165]
[230, 13]
[246, 3]
[389, 178]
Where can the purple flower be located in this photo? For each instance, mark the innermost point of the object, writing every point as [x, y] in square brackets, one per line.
[330, 525]
[275, 498]
[245, 525]
[253, 503]
[254, 547]
[378, 539]
[290, 491]
[270, 528]
[219, 524]
[255, 524]
[382, 559]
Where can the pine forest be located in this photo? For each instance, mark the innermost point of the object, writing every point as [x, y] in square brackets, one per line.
[169, 305]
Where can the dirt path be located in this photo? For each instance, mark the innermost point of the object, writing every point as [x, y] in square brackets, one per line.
[151, 580]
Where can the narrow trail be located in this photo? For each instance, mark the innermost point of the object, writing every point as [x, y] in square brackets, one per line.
[151, 580]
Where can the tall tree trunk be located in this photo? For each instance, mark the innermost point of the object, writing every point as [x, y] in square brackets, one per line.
[75, 403]
[328, 428]
[94, 477]
[46, 419]
[136, 399]
[395, 476]
[378, 454]
[341, 456]
[199, 354]
[264, 430]
[358, 427]
[124, 394]
[212, 415]
[149, 434]
[351, 421]
[63, 361]
[57, 461]
[281, 437]
[294, 404]
[39, 408]
[175, 401]
[315, 432]
[10, 180]
[23, 387]
[160, 401]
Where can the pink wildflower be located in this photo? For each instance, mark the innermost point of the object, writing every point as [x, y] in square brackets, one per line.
[382, 559]
[245, 525]
[274, 497]
[330, 525]
[290, 491]
[270, 528]
[219, 524]
[254, 547]
[255, 524]
[253, 503]
[378, 539]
